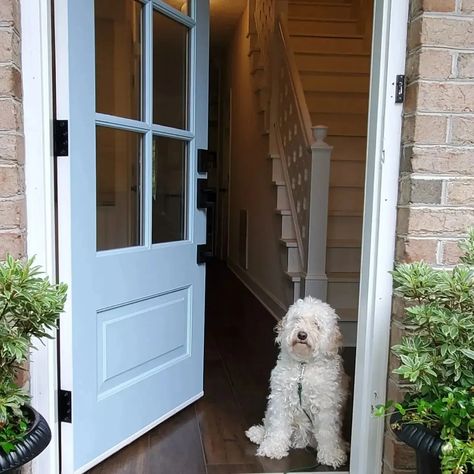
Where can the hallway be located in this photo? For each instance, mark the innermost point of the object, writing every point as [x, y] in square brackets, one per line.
[208, 436]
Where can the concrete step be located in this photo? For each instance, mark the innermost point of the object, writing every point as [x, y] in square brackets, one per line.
[343, 259]
[322, 26]
[332, 62]
[315, 81]
[347, 200]
[340, 125]
[315, 44]
[347, 173]
[319, 9]
[347, 103]
[347, 148]
[344, 226]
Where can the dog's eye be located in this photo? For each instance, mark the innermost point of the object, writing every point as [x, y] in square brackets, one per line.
[316, 324]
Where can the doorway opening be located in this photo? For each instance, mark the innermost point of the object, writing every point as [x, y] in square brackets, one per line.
[253, 230]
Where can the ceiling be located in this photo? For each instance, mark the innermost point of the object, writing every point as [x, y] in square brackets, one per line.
[224, 17]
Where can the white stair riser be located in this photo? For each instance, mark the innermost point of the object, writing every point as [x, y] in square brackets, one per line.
[343, 294]
[337, 102]
[282, 198]
[346, 199]
[340, 63]
[348, 149]
[290, 259]
[347, 173]
[343, 259]
[349, 333]
[347, 227]
[307, 9]
[277, 171]
[340, 125]
[287, 228]
[328, 45]
[258, 80]
[334, 82]
[303, 26]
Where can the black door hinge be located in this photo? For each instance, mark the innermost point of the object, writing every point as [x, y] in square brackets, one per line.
[61, 138]
[206, 197]
[205, 160]
[65, 406]
[204, 254]
[400, 89]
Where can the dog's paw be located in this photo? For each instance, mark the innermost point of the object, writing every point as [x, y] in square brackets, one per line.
[335, 456]
[272, 450]
[255, 434]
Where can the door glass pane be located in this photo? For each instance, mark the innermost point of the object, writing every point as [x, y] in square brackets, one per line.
[119, 176]
[181, 5]
[170, 71]
[169, 190]
[118, 52]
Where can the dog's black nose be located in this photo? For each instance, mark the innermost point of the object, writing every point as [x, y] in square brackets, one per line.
[302, 336]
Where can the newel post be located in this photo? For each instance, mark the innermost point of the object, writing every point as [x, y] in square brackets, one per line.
[315, 277]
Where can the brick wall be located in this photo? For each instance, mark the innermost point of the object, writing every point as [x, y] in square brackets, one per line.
[436, 198]
[12, 188]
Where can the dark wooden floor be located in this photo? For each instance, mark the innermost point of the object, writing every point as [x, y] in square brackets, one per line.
[208, 437]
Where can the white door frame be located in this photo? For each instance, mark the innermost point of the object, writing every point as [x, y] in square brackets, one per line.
[379, 218]
[379, 231]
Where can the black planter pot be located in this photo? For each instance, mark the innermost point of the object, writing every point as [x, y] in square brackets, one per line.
[426, 443]
[34, 442]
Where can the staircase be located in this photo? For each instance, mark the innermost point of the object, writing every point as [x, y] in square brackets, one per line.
[329, 48]
[331, 44]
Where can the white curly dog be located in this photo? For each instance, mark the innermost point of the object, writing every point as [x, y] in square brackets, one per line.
[308, 387]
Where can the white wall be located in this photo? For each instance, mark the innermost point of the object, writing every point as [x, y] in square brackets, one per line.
[251, 185]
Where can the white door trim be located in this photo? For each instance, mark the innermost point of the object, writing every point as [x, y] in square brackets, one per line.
[378, 238]
[39, 174]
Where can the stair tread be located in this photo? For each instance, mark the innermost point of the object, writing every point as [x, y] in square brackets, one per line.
[311, 72]
[294, 276]
[343, 277]
[345, 214]
[322, 20]
[346, 243]
[333, 53]
[327, 35]
[353, 186]
[319, 4]
[278, 183]
[292, 243]
[283, 212]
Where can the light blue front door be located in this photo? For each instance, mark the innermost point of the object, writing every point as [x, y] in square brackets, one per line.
[131, 79]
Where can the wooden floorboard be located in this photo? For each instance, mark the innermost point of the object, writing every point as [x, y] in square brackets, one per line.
[208, 437]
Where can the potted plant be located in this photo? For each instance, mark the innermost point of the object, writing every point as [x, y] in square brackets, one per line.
[436, 416]
[29, 308]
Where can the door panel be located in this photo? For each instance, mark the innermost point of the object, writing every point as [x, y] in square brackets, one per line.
[132, 337]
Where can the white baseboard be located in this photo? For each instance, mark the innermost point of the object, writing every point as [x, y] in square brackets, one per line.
[271, 303]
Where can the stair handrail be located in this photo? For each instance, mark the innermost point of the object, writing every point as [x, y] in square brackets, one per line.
[305, 161]
[295, 78]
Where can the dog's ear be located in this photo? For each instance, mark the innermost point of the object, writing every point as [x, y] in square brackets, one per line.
[333, 341]
[279, 329]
